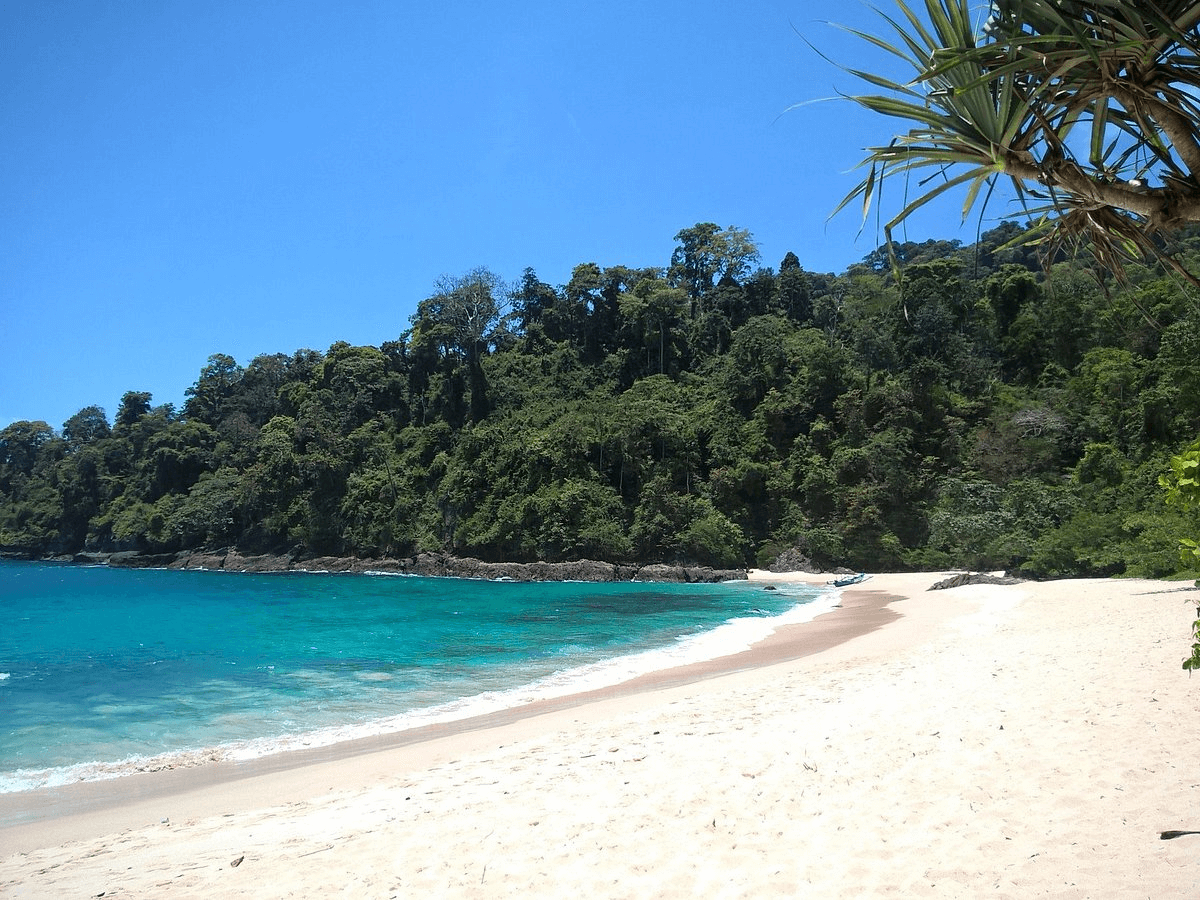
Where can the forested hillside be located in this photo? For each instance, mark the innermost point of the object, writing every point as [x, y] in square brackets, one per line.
[979, 412]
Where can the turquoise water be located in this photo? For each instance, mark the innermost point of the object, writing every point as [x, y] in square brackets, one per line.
[103, 669]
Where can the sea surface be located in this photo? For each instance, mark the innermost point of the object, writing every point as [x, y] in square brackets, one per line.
[104, 671]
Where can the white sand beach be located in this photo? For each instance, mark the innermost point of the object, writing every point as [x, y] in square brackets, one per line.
[1017, 741]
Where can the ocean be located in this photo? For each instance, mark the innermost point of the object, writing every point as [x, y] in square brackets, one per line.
[104, 672]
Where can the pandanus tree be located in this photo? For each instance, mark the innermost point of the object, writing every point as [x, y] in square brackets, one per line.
[1090, 109]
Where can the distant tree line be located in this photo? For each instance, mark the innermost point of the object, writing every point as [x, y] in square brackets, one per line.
[975, 411]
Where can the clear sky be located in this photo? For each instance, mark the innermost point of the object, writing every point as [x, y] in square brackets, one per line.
[184, 178]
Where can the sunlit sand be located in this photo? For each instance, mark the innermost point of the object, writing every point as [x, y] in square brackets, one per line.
[1002, 741]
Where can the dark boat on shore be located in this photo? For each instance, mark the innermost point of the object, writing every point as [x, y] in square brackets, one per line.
[847, 580]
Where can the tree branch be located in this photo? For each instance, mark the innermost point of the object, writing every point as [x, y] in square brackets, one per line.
[1160, 207]
[1178, 128]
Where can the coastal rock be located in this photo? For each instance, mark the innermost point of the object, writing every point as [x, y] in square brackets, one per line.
[25, 554]
[793, 560]
[265, 563]
[444, 565]
[441, 565]
[968, 578]
[687, 574]
[231, 561]
[132, 559]
[200, 561]
[393, 566]
[329, 564]
[90, 558]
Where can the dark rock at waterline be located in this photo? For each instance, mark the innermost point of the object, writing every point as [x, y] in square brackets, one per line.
[15, 553]
[577, 570]
[131, 559]
[428, 564]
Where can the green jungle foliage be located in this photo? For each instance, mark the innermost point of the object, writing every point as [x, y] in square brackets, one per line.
[1182, 486]
[979, 413]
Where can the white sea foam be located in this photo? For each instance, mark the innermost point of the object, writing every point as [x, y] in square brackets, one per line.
[31, 779]
[734, 636]
[4, 676]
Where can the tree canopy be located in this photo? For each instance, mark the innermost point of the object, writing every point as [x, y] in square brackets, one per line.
[979, 413]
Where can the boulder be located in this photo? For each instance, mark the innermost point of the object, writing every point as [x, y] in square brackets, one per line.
[966, 578]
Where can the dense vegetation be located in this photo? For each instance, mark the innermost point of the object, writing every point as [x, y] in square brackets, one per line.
[979, 412]
[1087, 109]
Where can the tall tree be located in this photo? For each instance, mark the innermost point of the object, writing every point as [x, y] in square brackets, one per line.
[467, 315]
[87, 426]
[706, 254]
[216, 384]
[21, 443]
[531, 300]
[134, 406]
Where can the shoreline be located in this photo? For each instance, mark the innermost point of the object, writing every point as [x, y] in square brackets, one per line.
[858, 612]
[1010, 741]
[527, 688]
[429, 564]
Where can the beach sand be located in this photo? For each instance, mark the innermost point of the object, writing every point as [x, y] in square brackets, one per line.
[1002, 741]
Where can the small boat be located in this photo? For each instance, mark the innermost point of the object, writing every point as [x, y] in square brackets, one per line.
[846, 580]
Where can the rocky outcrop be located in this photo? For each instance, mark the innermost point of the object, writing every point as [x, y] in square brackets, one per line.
[686, 574]
[794, 560]
[443, 564]
[427, 564]
[127, 559]
[968, 578]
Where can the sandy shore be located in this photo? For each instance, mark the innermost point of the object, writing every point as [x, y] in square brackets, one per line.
[1018, 741]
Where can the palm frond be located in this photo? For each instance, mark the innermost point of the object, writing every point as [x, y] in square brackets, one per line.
[1009, 99]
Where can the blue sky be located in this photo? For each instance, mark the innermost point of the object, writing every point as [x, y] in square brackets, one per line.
[185, 178]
